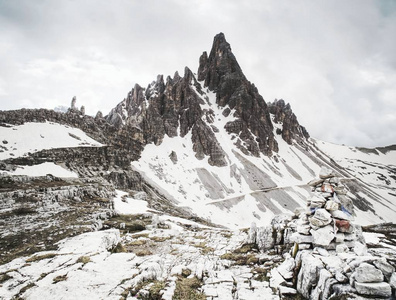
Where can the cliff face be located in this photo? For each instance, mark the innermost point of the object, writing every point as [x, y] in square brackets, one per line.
[284, 115]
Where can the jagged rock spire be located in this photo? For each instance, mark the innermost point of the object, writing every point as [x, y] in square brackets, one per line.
[220, 62]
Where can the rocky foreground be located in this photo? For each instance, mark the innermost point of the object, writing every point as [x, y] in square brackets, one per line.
[317, 253]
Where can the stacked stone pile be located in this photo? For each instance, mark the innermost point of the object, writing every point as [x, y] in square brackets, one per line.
[328, 221]
[325, 253]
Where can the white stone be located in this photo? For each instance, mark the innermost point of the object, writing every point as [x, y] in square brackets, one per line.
[300, 238]
[304, 246]
[342, 248]
[286, 268]
[322, 286]
[386, 268]
[303, 229]
[323, 236]
[340, 277]
[283, 290]
[339, 214]
[321, 251]
[360, 249]
[379, 289]
[392, 280]
[265, 238]
[321, 218]
[340, 237]
[368, 273]
[252, 233]
[325, 173]
[316, 202]
[332, 205]
[309, 273]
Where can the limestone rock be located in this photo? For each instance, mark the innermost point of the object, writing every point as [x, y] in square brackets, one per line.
[378, 289]
[360, 249]
[386, 268]
[368, 273]
[323, 236]
[392, 280]
[332, 205]
[321, 218]
[300, 238]
[309, 273]
[286, 268]
[316, 202]
[286, 291]
[265, 238]
[322, 289]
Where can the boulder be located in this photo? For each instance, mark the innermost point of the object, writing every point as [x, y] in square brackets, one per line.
[303, 229]
[284, 290]
[368, 273]
[340, 190]
[265, 238]
[392, 280]
[377, 289]
[342, 289]
[321, 218]
[286, 268]
[252, 234]
[323, 236]
[322, 289]
[309, 273]
[386, 268]
[360, 249]
[316, 202]
[332, 205]
[300, 238]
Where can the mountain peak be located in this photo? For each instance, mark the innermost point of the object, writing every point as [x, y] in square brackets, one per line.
[220, 62]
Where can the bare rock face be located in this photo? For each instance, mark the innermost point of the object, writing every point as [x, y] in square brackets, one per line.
[174, 107]
[169, 108]
[284, 115]
[222, 74]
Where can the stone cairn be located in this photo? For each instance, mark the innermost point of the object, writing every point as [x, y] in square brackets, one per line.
[327, 221]
[325, 255]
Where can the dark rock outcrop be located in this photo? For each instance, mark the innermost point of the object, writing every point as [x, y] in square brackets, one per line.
[222, 74]
[171, 108]
[284, 115]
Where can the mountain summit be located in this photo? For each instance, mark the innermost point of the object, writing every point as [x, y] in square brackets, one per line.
[175, 107]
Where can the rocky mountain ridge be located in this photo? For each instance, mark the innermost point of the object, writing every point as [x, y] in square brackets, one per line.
[169, 177]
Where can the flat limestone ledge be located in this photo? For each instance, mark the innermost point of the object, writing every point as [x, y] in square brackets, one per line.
[380, 289]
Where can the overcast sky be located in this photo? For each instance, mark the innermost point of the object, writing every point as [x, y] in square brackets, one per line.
[334, 61]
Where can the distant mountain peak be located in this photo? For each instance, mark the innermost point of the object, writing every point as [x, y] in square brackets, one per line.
[221, 62]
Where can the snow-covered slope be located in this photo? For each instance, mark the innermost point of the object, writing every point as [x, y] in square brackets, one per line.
[251, 188]
[17, 141]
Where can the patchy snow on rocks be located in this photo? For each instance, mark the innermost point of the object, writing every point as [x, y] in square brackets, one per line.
[32, 137]
[42, 170]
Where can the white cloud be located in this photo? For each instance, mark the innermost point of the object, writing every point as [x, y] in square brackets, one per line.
[334, 61]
